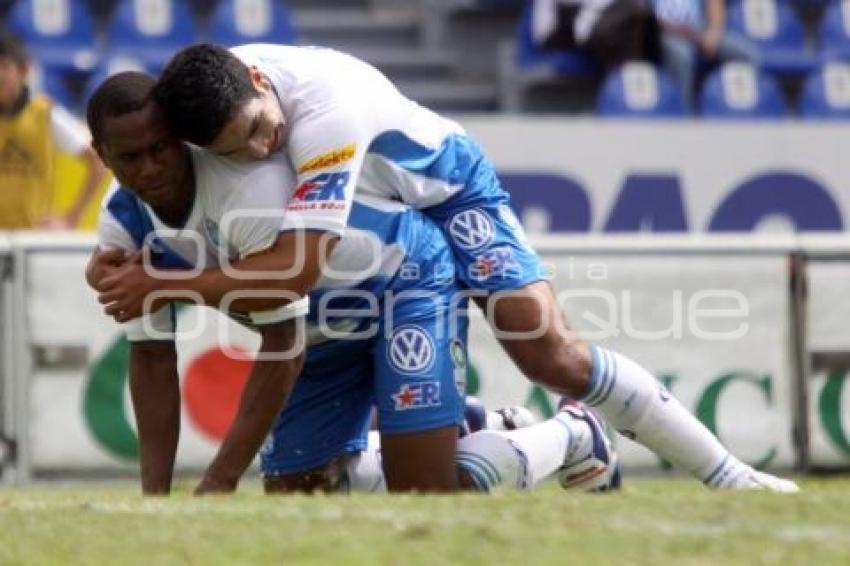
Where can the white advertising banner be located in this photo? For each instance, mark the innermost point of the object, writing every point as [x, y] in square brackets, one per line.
[713, 327]
[828, 351]
[606, 176]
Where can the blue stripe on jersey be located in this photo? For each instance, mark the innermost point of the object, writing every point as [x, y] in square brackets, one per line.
[450, 163]
[127, 209]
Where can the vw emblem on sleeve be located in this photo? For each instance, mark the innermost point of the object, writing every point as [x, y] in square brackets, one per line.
[471, 229]
[411, 349]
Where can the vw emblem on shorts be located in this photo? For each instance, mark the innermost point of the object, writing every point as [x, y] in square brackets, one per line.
[411, 349]
[471, 229]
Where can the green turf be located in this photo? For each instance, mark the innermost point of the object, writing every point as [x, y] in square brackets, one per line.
[651, 522]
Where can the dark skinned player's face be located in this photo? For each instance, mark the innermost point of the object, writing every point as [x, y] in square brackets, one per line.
[145, 158]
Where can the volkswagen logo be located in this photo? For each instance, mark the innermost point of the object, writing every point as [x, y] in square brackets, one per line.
[411, 349]
[471, 229]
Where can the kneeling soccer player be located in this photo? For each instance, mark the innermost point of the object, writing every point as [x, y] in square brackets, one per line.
[385, 340]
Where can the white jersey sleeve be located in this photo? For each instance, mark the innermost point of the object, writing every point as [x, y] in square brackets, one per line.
[68, 133]
[249, 199]
[114, 235]
[327, 149]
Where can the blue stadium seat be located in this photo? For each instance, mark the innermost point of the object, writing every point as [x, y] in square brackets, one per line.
[738, 90]
[826, 93]
[107, 68]
[775, 30]
[151, 30]
[639, 90]
[251, 21]
[59, 33]
[834, 33]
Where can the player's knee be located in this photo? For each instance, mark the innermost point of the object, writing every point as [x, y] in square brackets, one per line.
[486, 459]
[327, 478]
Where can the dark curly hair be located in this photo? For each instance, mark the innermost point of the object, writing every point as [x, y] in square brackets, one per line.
[200, 90]
[118, 95]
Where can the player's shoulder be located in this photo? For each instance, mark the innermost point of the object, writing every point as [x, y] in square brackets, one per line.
[117, 197]
[222, 182]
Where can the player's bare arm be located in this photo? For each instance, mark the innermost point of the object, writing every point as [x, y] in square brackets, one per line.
[265, 394]
[155, 392]
[124, 289]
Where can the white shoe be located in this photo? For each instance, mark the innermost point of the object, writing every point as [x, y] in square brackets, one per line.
[760, 481]
[599, 470]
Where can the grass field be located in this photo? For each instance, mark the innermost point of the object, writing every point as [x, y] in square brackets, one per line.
[652, 521]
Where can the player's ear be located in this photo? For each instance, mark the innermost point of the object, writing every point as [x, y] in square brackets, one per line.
[258, 79]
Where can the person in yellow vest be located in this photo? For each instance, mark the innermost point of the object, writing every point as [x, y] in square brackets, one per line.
[33, 130]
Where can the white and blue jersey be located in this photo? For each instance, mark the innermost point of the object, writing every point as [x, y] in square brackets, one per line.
[386, 326]
[350, 131]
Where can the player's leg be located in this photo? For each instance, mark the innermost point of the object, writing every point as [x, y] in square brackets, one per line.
[419, 385]
[325, 421]
[493, 256]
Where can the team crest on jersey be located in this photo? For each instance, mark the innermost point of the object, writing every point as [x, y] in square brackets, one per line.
[322, 192]
[329, 159]
[471, 229]
[417, 396]
[411, 349]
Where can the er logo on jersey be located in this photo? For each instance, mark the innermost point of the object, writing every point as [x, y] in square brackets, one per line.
[322, 192]
[417, 396]
[471, 229]
[411, 349]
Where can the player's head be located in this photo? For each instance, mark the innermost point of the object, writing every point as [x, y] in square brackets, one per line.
[14, 64]
[130, 134]
[214, 100]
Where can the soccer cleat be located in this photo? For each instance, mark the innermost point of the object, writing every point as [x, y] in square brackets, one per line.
[598, 470]
[759, 481]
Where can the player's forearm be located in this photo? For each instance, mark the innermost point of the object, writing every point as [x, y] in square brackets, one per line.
[286, 271]
[265, 394]
[155, 391]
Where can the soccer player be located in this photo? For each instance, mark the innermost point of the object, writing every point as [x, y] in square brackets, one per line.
[32, 129]
[336, 117]
[385, 337]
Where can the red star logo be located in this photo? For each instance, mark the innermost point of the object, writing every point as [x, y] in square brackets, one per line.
[404, 398]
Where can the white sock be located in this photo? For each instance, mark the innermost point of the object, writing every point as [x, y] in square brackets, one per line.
[364, 471]
[519, 458]
[642, 409]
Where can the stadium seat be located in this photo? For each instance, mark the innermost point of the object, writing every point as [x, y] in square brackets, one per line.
[826, 93]
[740, 91]
[107, 68]
[639, 90]
[251, 21]
[527, 65]
[834, 33]
[151, 30]
[775, 30]
[59, 33]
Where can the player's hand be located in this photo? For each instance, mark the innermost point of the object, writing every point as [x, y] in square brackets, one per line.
[101, 263]
[124, 290]
[211, 485]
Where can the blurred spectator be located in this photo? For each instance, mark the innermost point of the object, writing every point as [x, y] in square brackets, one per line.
[32, 130]
[611, 32]
[694, 32]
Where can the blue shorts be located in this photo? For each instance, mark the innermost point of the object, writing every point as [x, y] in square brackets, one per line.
[413, 371]
[489, 244]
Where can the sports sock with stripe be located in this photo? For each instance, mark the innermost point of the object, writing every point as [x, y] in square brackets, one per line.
[641, 408]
